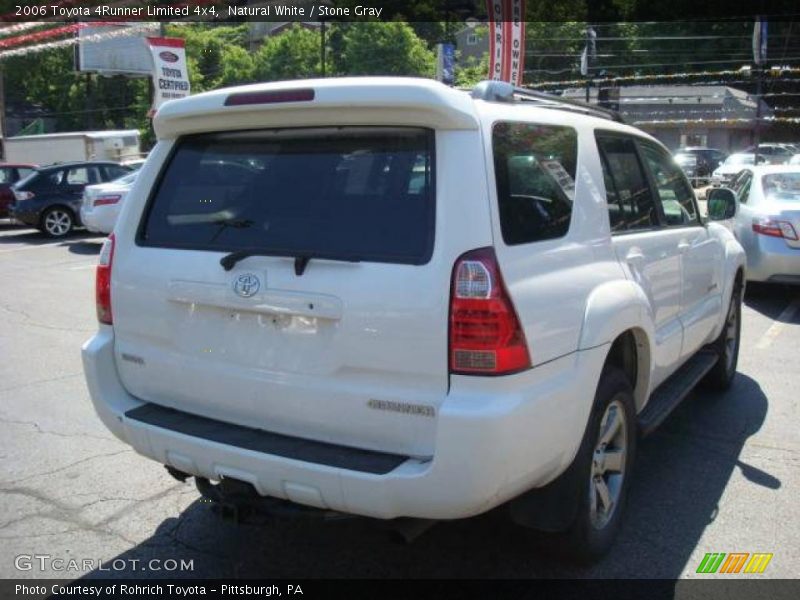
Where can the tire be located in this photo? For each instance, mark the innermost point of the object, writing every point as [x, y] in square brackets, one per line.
[597, 521]
[57, 222]
[720, 377]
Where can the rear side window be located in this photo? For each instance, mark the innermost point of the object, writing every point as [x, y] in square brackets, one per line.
[535, 171]
[43, 181]
[630, 201]
[362, 193]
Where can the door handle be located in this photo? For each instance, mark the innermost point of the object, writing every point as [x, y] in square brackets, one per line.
[683, 247]
[634, 256]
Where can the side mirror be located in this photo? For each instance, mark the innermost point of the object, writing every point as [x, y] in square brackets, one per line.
[721, 204]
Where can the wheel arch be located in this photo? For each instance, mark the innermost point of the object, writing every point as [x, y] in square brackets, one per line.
[60, 205]
[619, 314]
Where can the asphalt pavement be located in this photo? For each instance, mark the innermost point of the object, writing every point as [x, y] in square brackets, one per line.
[721, 475]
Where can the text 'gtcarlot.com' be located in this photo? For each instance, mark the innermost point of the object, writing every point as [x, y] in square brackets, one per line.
[46, 562]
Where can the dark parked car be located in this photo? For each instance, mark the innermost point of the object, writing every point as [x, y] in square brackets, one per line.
[50, 197]
[9, 175]
[699, 162]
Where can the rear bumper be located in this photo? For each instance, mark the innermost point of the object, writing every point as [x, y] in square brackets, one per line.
[496, 438]
[769, 259]
[25, 217]
[95, 221]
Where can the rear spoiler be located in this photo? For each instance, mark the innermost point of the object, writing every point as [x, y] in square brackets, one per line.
[322, 102]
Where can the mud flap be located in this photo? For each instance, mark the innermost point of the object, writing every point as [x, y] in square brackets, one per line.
[551, 508]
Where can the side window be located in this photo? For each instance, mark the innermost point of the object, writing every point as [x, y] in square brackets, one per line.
[114, 172]
[47, 181]
[630, 201]
[535, 171]
[82, 176]
[78, 176]
[673, 190]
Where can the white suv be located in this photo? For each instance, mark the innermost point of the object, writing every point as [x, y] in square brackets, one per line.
[390, 298]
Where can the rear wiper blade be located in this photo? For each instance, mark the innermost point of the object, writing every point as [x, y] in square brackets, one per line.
[301, 259]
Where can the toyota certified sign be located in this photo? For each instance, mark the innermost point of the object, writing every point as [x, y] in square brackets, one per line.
[170, 73]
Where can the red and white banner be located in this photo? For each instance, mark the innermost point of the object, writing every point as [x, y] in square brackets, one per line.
[170, 72]
[507, 40]
[494, 9]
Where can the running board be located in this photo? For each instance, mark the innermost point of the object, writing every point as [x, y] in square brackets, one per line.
[669, 394]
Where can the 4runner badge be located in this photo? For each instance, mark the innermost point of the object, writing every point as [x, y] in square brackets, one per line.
[246, 285]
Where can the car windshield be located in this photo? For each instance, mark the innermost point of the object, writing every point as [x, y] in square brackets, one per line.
[781, 186]
[740, 159]
[685, 158]
[363, 192]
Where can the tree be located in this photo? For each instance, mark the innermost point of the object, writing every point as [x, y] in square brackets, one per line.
[215, 55]
[375, 48]
[238, 66]
[293, 54]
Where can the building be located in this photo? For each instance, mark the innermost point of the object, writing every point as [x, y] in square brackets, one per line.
[472, 44]
[715, 116]
[258, 31]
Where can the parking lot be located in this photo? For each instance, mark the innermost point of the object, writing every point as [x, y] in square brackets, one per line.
[721, 475]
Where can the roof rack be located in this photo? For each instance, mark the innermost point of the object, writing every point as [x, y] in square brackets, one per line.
[502, 91]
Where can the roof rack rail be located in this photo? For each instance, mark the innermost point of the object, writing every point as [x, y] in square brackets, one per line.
[502, 91]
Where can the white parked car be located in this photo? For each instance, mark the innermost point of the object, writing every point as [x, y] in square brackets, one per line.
[763, 211]
[731, 167]
[391, 298]
[102, 203]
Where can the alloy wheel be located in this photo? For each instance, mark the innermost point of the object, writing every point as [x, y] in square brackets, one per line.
[58, 222]
[608, 465]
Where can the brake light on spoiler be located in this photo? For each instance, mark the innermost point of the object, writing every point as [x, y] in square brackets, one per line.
[270, 97]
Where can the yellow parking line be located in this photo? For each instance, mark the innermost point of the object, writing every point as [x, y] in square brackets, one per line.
[775, 329]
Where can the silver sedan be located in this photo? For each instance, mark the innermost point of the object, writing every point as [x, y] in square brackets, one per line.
[766, 220]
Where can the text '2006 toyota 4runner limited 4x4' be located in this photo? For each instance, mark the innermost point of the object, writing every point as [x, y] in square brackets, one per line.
[389, 298]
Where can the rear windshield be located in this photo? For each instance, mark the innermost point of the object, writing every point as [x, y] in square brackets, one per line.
[363, 193]
[535, 172]
[782, 186]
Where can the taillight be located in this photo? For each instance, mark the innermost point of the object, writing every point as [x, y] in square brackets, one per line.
[774, 228]
[485, 333]
[103, 282]
[108, 199]
[18, 195]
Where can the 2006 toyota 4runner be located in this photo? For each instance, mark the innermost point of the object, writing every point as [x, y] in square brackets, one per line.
[390, 298]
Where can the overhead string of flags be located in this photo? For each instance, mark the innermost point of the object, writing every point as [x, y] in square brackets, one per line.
[74, 39]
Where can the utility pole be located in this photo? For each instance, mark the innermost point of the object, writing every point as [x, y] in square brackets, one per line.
[2, 112]
[589, 54]
[759, 58]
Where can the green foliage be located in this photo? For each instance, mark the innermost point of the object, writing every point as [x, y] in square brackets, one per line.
[216, 55]
[376, 48]
[291, 55]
